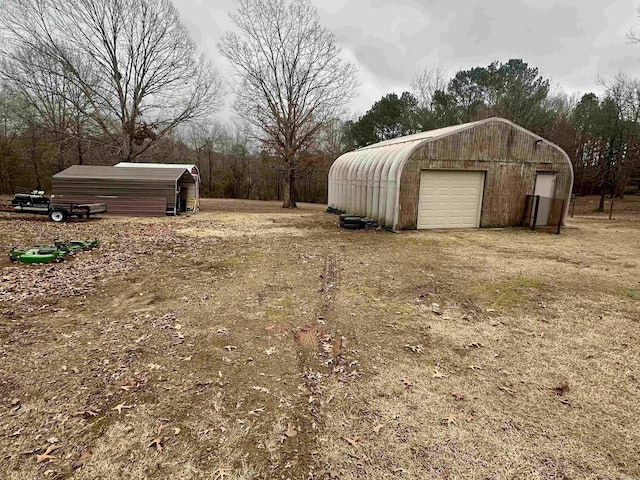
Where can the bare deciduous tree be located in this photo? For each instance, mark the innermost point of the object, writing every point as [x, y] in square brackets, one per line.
[205, 139]
[56, 103]
[426, 82]
[292, 78]
[137, 69]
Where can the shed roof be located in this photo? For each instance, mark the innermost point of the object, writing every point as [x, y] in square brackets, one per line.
[188, 166]
[428, 135]
[113, 173]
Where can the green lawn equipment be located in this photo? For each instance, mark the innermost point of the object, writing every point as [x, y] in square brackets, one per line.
[46, 254]
[50, 253]
[75, 245]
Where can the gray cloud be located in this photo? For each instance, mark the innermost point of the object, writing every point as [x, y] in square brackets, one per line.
[572, 42]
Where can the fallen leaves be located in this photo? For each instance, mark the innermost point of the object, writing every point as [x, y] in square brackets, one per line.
[85, 413]
[157, 444]
[47, 453]
[82, 459]
[450, 420]
[121, 406]
[353, 441]
[438, 374]
[508, 390]
[84, 455]
[45, 457]
[138, 380]
[377, 428]
[415, 348]
[290, 431]
[560, 389]
[157, 441]
[221, 473]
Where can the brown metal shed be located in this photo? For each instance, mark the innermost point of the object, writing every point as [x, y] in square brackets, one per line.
[477, 174]
[125, 191]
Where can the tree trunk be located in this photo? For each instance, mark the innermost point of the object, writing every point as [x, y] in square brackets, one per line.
[210, 174]
[603, 194]
[59, 155]
[289, 193]
[128, 130]
[34, 161]
[80, 153]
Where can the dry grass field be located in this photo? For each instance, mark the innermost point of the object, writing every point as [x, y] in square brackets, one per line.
[248, 342]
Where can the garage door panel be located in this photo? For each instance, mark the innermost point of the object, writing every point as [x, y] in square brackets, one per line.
[450, 198]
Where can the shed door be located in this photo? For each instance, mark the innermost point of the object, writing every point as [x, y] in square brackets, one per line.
[545, 187]
[450, 198]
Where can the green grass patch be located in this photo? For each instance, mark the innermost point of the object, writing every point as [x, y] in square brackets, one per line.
[281, 309]
[509, 293]
[632, 293]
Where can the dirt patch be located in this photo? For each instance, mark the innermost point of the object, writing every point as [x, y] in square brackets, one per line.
[309, 335]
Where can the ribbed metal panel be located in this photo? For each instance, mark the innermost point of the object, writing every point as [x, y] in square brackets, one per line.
[144, 207]
[127, 186]
[191, 168]
[367, 182]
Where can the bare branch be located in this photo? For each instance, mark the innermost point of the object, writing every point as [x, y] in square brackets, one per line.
[292, 80]
[133, 62]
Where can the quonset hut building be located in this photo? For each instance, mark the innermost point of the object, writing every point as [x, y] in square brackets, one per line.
[477, 174]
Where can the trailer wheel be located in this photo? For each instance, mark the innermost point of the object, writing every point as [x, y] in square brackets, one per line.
[58, 215]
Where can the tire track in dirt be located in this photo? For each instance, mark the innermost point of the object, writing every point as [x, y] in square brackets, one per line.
[318, 351]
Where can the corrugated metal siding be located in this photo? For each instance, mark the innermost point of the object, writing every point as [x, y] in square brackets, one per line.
[382, 181]
[191, 168]
[129, 186]
[122, 188]
[146, 207]
[511, 157]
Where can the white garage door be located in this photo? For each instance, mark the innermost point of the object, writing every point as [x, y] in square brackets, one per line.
[450, 198]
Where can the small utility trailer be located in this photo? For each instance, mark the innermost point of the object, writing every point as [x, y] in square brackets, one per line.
[36, 203]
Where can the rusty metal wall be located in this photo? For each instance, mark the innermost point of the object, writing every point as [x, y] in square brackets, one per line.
[508, 154]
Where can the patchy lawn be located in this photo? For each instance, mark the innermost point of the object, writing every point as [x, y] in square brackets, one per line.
[251, 342]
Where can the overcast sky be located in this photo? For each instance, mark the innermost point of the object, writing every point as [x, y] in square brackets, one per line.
[572, 42]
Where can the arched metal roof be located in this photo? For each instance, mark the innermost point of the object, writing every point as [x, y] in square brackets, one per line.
[366, 181]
